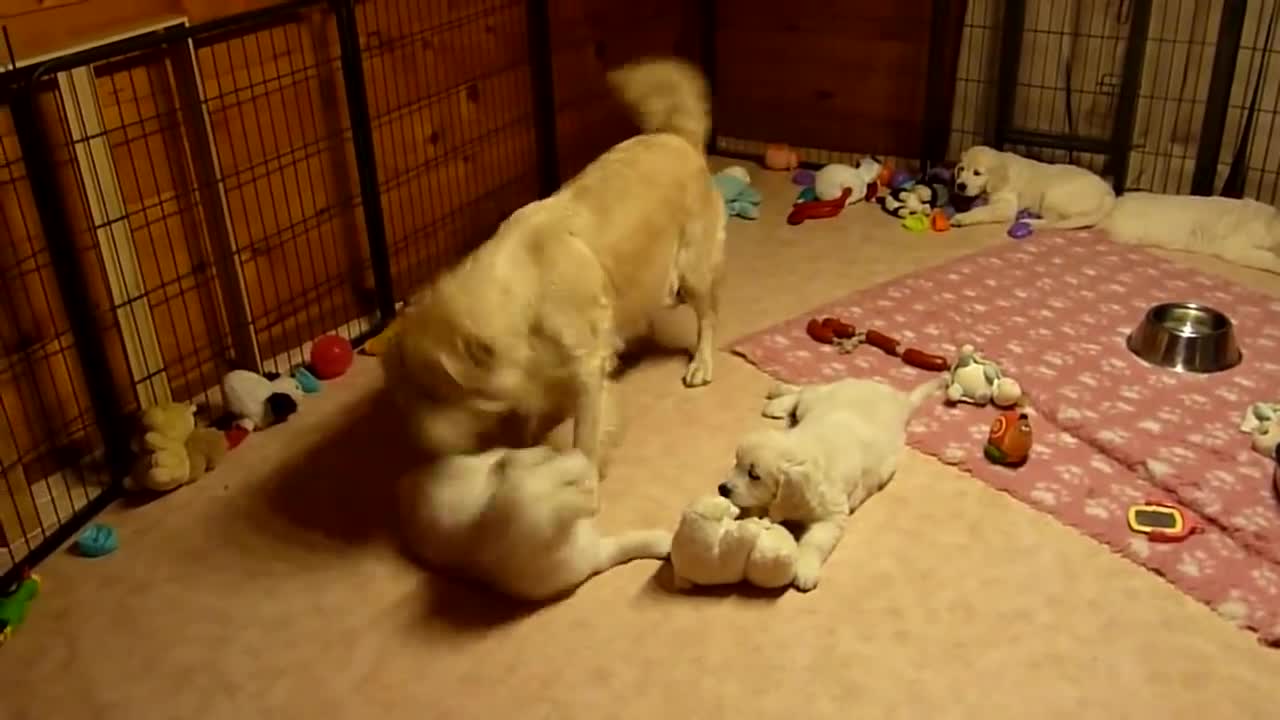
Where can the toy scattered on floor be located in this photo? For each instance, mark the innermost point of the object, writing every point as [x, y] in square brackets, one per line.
[833, 179]
[257, 402]
[97, 540]
[818, 209]
[16, 604]
[711, 546]
[846, 338]
[780, 156]
[806, 194]
[1020, 230]
[978, 381]
[1010, 438]
[1161, 521]
[235, 435]
[900, 179]
[307, 382]
[1262, 421]
[940, 220]
[803, 177]
[740, 199]
[331, 356]
[915, 222]
[377, 344]
[173, 449]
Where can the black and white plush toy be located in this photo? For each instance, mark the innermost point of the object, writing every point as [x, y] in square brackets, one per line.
[904, 201]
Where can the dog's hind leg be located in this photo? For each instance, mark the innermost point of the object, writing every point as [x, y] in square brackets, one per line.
[700, 268]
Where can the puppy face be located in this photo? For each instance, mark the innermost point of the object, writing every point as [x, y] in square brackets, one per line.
[764, 462]
[974, 172]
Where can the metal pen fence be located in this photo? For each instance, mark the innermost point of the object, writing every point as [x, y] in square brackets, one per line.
[196, 199]
[1155, 94]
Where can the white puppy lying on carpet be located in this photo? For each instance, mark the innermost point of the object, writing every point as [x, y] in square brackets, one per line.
[842, 447]
[1245, 232]
[1064, 196]
[522, 521]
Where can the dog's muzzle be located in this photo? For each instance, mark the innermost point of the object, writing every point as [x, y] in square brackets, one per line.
[962, 188]
[724, 490]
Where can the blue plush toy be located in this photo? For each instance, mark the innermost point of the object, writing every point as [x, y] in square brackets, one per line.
[740, 199]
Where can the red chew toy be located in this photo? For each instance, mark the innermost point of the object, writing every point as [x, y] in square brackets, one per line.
[331, 355]
[818, 209]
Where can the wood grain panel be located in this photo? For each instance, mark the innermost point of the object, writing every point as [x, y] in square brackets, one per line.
[848, 76]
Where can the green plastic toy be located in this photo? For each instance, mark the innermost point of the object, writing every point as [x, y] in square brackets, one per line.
[14, 606]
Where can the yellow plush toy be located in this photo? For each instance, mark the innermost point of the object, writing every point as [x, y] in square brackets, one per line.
[172, 451]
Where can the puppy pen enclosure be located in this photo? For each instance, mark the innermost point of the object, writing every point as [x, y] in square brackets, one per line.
[196, 198]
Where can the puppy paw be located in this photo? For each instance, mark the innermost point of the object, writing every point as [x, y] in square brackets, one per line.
[699, 372]
[780, 389]
[961, 219]
[808, 571]
[779, 408]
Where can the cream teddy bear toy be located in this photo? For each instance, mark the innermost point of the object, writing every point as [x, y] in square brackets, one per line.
[1262, 421]
[978, 381]
[712, 546]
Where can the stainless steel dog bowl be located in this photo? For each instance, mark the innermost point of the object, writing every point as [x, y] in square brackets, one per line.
[1186, 337]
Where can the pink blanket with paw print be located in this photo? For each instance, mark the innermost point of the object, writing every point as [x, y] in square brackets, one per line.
[1110, 430]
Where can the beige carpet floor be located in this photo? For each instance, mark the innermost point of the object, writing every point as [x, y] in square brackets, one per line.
[273, 588]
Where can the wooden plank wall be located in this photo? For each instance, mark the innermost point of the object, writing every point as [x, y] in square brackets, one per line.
[588, 37]
[451, 99]
[847, 76]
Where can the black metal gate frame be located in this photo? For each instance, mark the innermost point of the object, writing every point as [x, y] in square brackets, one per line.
[1118, 147]
[37, 148]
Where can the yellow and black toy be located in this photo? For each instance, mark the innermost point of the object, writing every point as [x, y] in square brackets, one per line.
[1161, 522]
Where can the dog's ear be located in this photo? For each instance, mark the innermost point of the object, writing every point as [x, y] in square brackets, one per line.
[794, 495]
[477, 352]
[997, 176]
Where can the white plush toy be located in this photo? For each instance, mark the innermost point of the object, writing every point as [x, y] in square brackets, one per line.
[713, 547]
[832, 179]
[257, 401]
[978, 381]
[1262, 421]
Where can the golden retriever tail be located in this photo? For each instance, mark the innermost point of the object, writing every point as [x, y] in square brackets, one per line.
[666, 95]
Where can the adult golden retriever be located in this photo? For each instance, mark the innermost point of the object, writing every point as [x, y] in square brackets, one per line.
[526, 330]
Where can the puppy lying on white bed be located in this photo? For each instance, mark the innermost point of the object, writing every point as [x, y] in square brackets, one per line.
[521, 521]
[842, 447]
[1245, 232]
[1064, 196]
[525, 331]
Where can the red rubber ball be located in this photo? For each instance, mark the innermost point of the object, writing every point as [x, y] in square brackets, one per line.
[331, 355]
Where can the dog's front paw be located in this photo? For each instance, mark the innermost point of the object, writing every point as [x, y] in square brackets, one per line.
[779, 408]
[699, 371]
[808, 570]
[961, 219]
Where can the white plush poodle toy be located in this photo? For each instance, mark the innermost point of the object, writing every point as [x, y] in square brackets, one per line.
[978, 381]
[832, 179]
[713, 547]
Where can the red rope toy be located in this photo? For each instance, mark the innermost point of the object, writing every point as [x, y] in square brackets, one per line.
[846, 339]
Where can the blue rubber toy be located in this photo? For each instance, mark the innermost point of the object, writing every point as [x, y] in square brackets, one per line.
[306, 381]
[97, 540]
